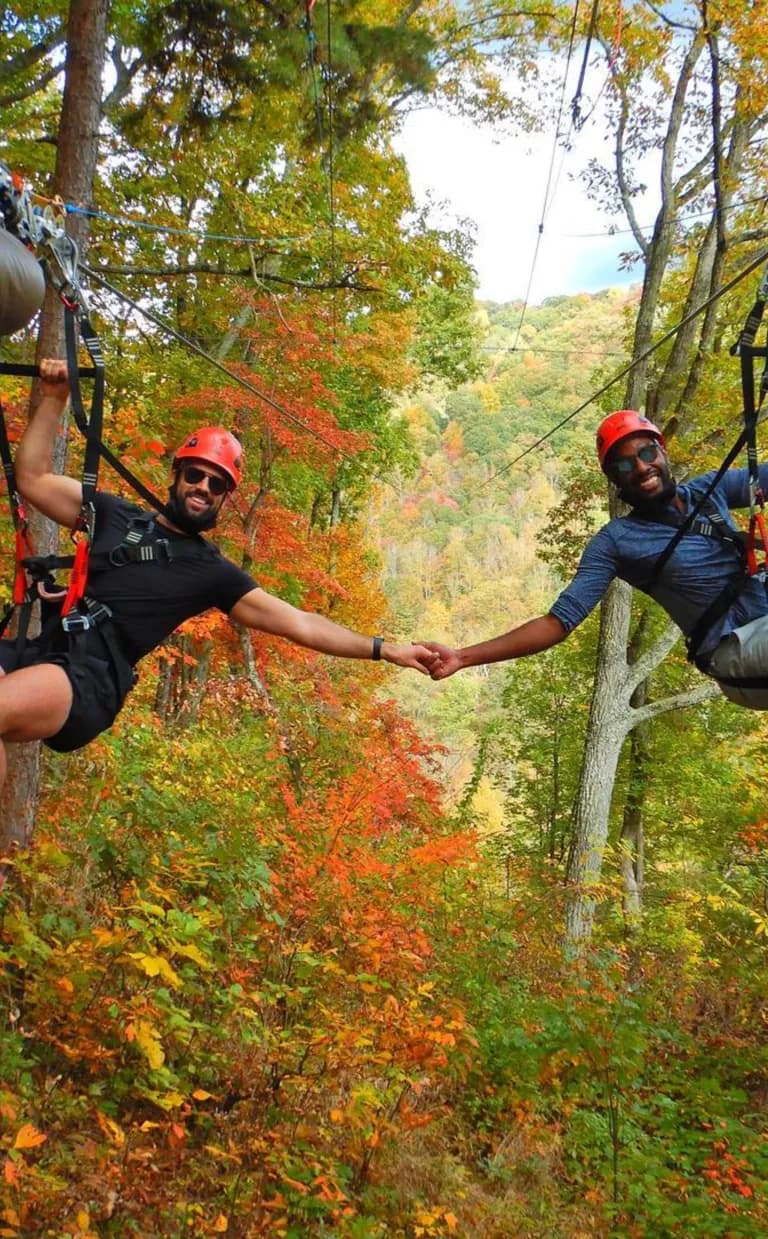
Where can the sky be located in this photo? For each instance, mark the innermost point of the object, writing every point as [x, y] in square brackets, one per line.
[500, 183]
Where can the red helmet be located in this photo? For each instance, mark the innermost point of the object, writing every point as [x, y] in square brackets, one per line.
[215, 446]
[621, 425]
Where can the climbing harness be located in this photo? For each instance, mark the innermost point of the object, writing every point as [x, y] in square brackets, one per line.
[751, 547]
[29, 225]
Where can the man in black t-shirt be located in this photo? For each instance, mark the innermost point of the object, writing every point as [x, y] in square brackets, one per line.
[66, 695]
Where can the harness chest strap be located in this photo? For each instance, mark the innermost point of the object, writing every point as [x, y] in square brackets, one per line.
[131, 550]
[86, 614]
[134, 549]
[709, 522]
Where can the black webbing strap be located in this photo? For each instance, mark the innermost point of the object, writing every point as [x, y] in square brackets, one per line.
[161, 551]
[705, 519]
[135, 548]
[746, 350]
[696, 510]
[91, 426]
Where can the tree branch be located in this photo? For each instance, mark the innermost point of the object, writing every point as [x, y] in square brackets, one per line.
[693, 697]
[31, 88]
[344, 281]
[625, 191]
[649, 661]
[666, 19]
[30, 56]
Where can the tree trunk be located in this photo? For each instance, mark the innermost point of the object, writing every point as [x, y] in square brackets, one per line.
[606, 730]
[270, 711]
[189, 705]
[76, 159]
[632, 840]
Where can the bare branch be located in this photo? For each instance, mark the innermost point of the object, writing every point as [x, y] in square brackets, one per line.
[749, 234]
[650, 659]
[693, 697]
[31, 88]
[24, 60]
[664, 17]
[625, 190]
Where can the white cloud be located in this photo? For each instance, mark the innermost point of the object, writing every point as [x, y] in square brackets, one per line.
[500, 183]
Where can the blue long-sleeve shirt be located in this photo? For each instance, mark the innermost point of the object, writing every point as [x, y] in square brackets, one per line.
[628, 547]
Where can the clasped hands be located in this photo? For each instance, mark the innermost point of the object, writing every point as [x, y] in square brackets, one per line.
[429, 657]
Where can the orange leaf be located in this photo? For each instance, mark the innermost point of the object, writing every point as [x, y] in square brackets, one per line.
[11, 1172]
[28, 1137]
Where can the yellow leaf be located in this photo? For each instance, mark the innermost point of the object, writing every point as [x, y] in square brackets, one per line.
[190, 951]
[219, 1152]
[168, 1101]
[111, 1129]
[83, 1219]
[201, 1095]
[157, 966]
[148, 1042]
[28, 1137]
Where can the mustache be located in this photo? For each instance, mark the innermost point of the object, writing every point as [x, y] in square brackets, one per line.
[633, 497]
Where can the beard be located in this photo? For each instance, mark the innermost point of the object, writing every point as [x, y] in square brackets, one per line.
[186, 521]
[654, 504]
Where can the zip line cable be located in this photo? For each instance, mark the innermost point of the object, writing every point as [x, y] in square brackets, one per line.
[677, 219]
[201, 352]
[752, 266]
[126, 221]
[546, 203]
[556, 352]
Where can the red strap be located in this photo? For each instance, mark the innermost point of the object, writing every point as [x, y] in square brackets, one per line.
[758, 537]
[79, 574]
[24, 547]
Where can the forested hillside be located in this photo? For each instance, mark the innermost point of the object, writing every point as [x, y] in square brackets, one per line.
[467, 543]
[304, 946]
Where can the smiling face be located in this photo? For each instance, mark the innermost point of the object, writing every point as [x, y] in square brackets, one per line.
[639, 468]
[195, 507]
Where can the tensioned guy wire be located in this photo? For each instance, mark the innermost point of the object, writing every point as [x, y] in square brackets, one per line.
[547, 203]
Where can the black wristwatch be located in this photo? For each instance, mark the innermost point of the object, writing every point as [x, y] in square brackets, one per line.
[376, 651]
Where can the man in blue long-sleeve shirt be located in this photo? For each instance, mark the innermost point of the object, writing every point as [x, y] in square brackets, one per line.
[731, 643]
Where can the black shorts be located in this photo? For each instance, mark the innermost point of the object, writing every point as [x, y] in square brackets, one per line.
[98, 690]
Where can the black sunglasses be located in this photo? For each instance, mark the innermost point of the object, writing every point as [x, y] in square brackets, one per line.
[627, 464]
[194, 476]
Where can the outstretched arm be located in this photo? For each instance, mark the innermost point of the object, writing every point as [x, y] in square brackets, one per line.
[260, 610]
[529, 638]
[57, 497]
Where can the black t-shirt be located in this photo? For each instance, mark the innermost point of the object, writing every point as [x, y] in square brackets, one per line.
[149, 600]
